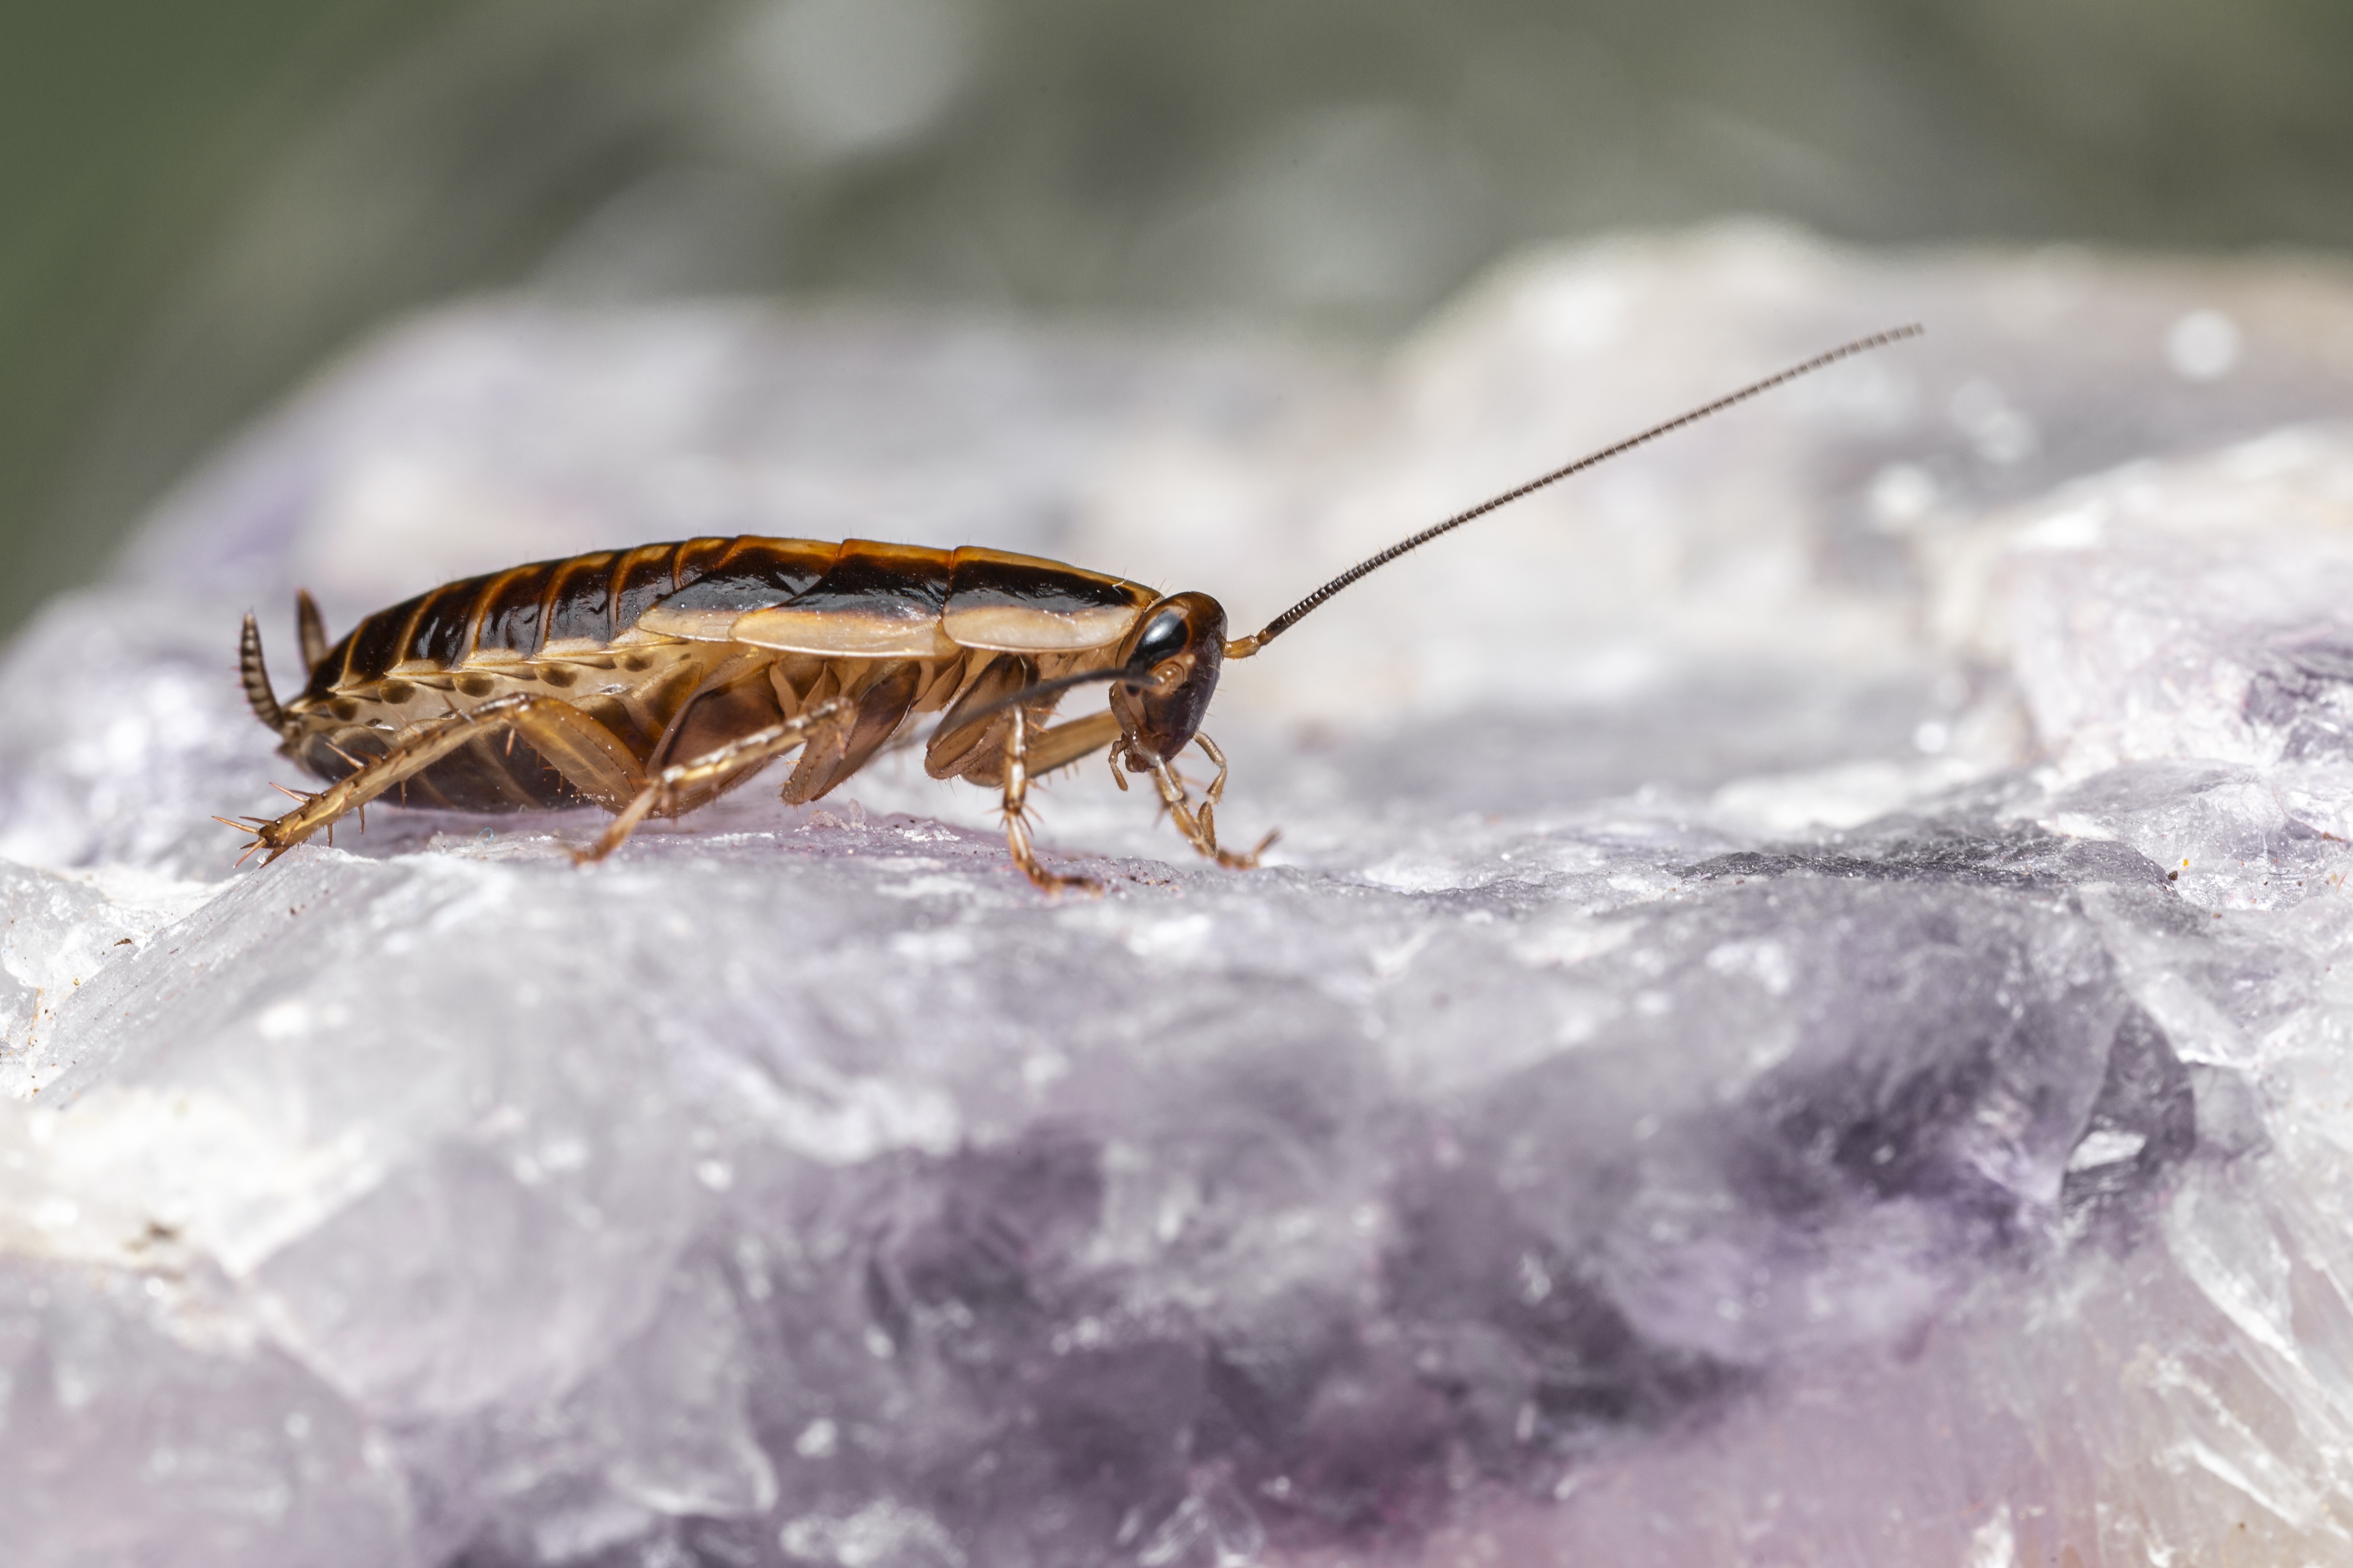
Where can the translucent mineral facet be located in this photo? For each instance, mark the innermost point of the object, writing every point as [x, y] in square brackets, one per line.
[1793, 1020]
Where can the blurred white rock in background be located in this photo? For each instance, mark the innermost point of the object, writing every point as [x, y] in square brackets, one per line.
[1794, 1021]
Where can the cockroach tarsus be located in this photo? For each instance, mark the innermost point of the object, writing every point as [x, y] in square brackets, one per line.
[650, 681]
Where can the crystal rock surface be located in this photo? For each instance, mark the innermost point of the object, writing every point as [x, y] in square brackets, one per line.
[1793, 1020]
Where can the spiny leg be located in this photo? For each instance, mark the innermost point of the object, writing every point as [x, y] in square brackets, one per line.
[1017, 805]
[753, 751]
[1200, 828]
[591, 757]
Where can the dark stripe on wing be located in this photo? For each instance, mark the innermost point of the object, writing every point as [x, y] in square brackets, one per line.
[892, 582]
[756, 573]
[993, 579]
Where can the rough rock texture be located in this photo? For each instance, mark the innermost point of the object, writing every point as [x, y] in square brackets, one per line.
[1793, 1021]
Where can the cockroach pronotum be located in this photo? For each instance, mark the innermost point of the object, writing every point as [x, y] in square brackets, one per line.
[650, 681]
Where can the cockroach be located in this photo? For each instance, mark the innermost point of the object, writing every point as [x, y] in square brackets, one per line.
[650, 681]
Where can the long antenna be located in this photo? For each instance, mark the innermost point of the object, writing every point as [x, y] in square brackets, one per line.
[1274, 628]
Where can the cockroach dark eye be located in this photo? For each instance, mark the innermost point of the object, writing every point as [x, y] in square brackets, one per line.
[1164, 638]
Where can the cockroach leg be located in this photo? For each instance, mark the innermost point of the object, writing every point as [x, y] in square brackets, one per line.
[1062, 744]
[1016, 808]
[1216, 790]
[244, 825]
[591, 756]
[1200, 827]
[662, 792]
[1211, 796]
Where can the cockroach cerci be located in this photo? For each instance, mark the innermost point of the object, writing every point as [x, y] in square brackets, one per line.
[650, 681]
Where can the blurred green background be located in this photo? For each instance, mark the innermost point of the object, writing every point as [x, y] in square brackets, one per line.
[198, 203]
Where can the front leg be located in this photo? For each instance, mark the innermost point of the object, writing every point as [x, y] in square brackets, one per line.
[1200, 827]
[1017, 822]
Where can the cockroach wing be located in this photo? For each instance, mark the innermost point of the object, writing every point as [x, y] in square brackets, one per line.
[755, 574]
[877, 601]
[1022, 603]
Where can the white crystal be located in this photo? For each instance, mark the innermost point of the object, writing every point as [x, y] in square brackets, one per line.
[1794, 1018]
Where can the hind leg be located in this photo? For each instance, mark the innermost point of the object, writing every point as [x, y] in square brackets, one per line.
[585, 753]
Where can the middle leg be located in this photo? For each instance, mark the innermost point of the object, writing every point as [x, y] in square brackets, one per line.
[1018, 760]
[714, 767]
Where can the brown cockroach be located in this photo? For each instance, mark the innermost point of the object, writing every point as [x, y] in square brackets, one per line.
[649, 681]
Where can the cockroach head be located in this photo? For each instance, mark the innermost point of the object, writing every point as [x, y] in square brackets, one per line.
[1173, 657]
